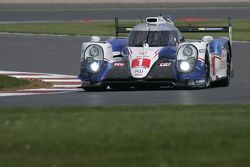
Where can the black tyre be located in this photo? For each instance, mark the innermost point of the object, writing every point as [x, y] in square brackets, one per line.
[207, 71]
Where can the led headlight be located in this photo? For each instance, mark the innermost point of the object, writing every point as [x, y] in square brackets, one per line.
[184, 66]
[186, 58]
[93, 57]
[94, 66]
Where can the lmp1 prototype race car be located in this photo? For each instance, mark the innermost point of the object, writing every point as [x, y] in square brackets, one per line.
[155, 55]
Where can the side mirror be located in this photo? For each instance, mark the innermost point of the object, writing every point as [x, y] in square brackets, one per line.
[95, 39]
[182, 39]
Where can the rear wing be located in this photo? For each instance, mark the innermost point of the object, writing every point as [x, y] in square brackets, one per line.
[184, 29]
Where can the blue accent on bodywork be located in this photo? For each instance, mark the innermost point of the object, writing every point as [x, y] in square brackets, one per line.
[217, 44]
[98, 76]
[168, 52]
[197, 74]
[117, 43]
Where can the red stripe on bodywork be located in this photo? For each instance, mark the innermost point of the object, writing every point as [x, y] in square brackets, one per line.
[156, 53]
[201, 59]
[130, 53]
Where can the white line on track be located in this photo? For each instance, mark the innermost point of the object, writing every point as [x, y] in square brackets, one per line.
[60, 83]
[48, 89]
[30, 93]
[66, 86]
[61, 80]
[48, 77]
[16, 94]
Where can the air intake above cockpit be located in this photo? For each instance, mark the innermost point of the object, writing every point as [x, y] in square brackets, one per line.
[155, 20]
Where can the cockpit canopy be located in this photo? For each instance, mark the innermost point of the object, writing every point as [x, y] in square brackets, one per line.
[153, 38]
[156, 35]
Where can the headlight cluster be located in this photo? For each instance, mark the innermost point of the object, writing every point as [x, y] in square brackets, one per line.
[93, 57]
[186, 58]
[125, 52]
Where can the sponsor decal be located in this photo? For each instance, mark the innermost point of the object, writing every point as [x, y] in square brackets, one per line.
[210, 29]
[119, 64]
[165, 64]
[143, 53]
[139, 71]
[140, 62]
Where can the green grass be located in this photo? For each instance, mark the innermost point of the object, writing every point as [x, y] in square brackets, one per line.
[10, 82]
[70, 28]
[149, 136]
[241, 28]
[116, 6]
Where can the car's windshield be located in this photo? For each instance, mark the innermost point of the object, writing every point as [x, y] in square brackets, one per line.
[153, 38]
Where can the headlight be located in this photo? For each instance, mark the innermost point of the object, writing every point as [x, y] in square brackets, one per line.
[94, 51]
[125, 52]
[187, 51]
[93, 57]
[184, 66]
[94, 66]
[186, 58]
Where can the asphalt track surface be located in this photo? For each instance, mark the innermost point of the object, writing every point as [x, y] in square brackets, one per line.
[83, 12]
[61, 55]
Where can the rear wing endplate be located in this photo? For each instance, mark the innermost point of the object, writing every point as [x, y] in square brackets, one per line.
[184, 29]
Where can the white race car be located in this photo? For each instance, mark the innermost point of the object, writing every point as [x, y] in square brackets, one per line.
[155, 54]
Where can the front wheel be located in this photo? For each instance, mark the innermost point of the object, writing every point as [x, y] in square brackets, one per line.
[207, 72]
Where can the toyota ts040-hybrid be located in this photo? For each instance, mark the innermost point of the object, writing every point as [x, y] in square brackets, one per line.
[155, 54]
